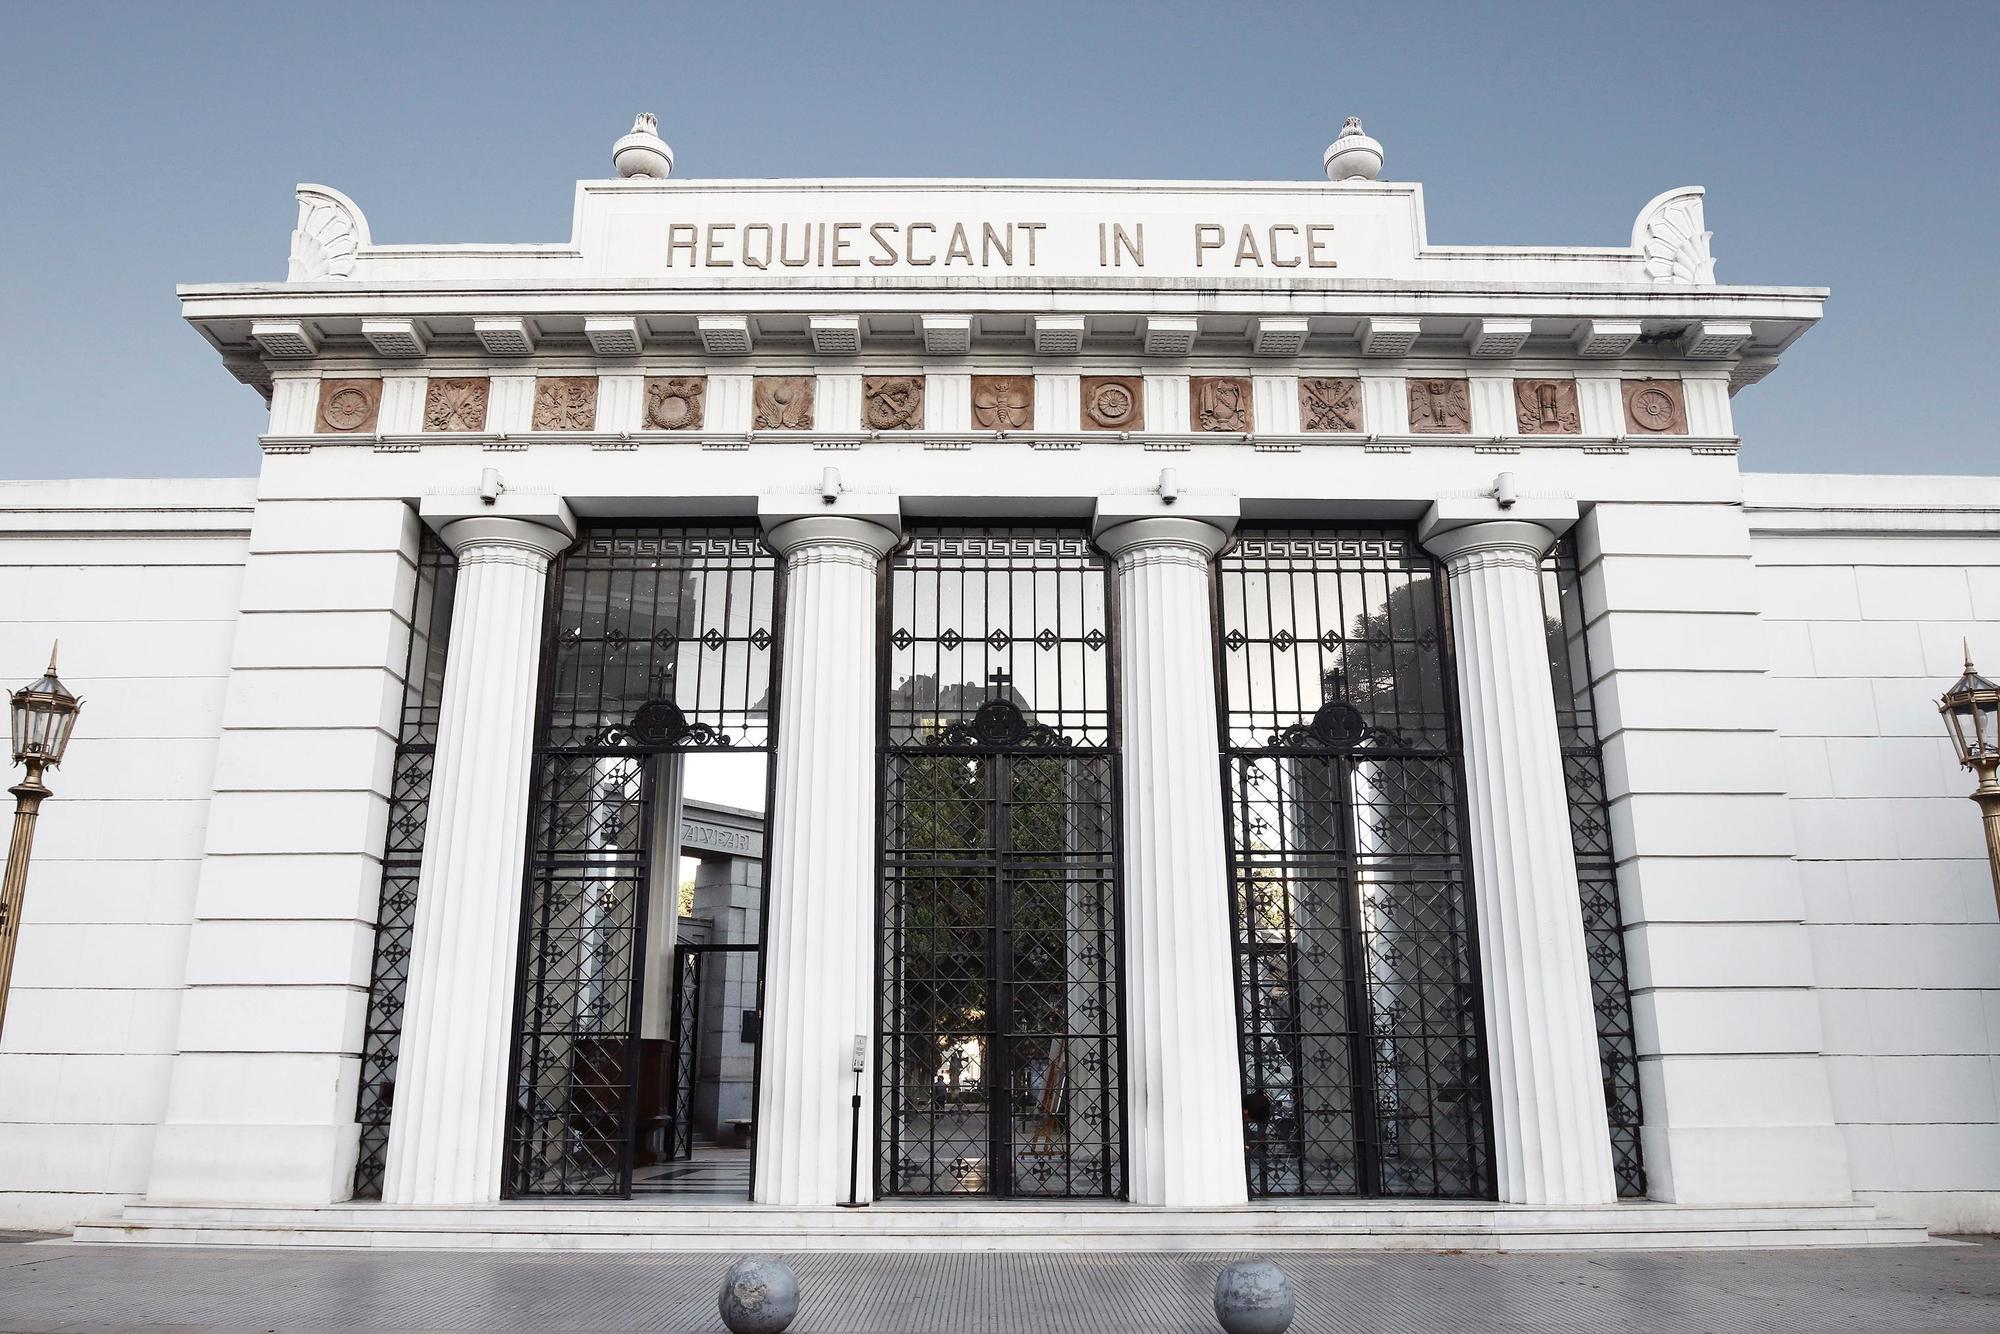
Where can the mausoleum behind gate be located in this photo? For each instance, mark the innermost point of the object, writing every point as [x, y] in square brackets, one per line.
[1134, 696]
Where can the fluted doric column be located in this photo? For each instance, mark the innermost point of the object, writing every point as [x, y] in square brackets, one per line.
[819, 929]
[448, 1128]
[1553, 1143]
[1184, 1084]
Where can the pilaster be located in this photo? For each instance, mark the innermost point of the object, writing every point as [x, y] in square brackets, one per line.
[1184, 1090]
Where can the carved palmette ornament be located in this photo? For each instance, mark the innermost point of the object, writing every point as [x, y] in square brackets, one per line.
[349, 405]
[1329, 404]
[1003, 402]
[328, 239]
[1113, 403]
[1439, 407]
[676, 403]
[455, 405]
[1219, 403]
[892, 402]
[565, 403]
[1546, 407]
[1655, 407]
[1674, 237]
[783, 403]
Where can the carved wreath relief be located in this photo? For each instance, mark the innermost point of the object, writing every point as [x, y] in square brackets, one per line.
[1655, 407]
[1003, 402]
[1219, 403]
[783, 403]
[1546, 407]
[455, 405]
[1329, 405]
[1440, 407]
[349, 405]
[1113, 403]
[675, 403]
[565, 403]
[892, 402]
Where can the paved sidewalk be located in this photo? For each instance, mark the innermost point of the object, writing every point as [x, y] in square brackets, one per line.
[62, 1287]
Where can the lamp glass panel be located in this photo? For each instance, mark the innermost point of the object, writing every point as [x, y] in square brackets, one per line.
[1986, 716]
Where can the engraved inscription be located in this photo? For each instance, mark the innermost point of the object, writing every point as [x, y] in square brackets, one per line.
[1546, 407]
[1219, 403]
[1329, 404]
[565, 403]
[892, 402]
[1439, 407]
[455, 405]
[783, 403]
[349, 405]
[1113, 403]
[675, 403]
[1655, 407]
[1003, 402]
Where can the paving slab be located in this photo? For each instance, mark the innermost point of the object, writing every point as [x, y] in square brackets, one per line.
[58, 1287]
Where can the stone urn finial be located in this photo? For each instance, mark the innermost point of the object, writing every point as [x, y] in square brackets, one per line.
[643, 152]
[1353, 156]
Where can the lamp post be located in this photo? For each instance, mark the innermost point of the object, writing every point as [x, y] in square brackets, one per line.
[1971, 710]
[43, 715]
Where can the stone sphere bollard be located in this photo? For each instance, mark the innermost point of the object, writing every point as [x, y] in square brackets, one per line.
[1254, 1297]
[760, 1295]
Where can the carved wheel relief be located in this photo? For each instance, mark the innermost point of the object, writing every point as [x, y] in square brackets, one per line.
[1546, 407]
[1219, 403]
[892, 402]
[1655, 407]
[1439, 407]
[676, 404]
[349, 405]
[1329, 405]
[1003, 402]
[455, 405]
[1113, 403]
[783, 403]
[565, 403]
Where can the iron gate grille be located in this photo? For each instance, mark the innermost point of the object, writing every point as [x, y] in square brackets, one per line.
[1358, 995]
[1596, 867]
[999, 1067]
[402, 856]
[660, 640]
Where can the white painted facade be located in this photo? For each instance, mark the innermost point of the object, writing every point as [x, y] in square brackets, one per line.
[1811, 938]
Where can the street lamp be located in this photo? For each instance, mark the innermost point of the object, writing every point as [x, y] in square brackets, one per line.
[43, 715]
[1971, 710]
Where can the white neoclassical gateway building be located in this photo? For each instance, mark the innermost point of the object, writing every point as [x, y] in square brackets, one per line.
[1180, 706]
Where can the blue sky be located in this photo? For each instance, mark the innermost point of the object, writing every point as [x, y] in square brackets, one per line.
[1850, 146]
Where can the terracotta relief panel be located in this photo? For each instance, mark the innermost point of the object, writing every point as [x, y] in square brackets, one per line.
[676, 403]
[1219, 403]
[783, 403]
[892, 402]
[1440, 407]
[1003, 402]
[1546, 407]
[1114, 403]
[348, 405]
[565, 403]
[455, 405]
[1329, 404]
[1655, 407]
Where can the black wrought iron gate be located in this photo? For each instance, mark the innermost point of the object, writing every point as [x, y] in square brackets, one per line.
[1357, 989]
[1000, 1064]
[660, 640]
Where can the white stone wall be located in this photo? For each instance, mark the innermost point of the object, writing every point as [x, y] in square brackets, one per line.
[140, 580]
[1866, 586]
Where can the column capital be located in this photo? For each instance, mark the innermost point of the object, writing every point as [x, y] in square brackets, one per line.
[1459, 527]
[537, 526]
[868, 523]
[1187, 527]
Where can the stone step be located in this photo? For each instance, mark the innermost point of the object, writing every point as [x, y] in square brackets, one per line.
[1002, 1228]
